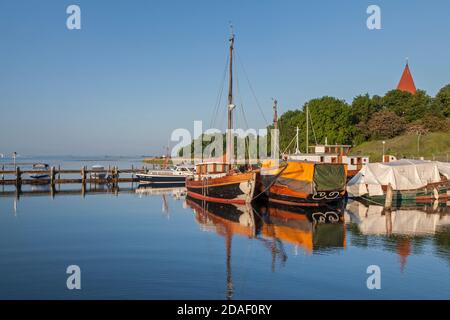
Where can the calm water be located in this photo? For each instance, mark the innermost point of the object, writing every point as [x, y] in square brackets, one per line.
[156, 244]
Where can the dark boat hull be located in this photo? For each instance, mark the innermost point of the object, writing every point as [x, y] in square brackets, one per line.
[40, 176]
[162, 180]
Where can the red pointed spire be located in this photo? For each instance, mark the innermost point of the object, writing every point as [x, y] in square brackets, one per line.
[406, 82]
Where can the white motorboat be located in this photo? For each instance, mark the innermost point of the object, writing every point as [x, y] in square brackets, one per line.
[171, 176]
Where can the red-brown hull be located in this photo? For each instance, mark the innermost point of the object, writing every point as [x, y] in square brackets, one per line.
[236, 188]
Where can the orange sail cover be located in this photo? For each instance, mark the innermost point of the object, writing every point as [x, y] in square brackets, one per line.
[406, 82]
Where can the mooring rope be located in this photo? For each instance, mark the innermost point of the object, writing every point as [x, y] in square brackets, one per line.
[272, 183]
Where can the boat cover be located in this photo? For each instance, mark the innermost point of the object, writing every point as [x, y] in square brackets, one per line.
[329, 177]
[305, 176]
[402, 175]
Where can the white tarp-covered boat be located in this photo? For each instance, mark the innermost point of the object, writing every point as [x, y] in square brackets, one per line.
[402, 175]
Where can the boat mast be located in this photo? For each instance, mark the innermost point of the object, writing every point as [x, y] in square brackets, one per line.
[307, 129]
[230, 149]
[297, 150]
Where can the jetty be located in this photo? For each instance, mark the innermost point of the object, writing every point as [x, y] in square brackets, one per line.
[56, 176]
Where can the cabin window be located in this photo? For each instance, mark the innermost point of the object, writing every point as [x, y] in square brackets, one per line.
[352, 161]
[322, 159]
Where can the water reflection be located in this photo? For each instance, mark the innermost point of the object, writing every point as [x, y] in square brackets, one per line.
[411, 221]
[311, 228]
[227, 220]
[403, 230]
[177, 193]
[320, 234]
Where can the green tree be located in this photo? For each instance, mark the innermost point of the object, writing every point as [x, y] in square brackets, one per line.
[330, 118]
[363, 107]
[409, 106]
[397, 101]
[442, 101]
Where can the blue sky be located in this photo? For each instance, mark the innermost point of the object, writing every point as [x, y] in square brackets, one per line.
[139, 69]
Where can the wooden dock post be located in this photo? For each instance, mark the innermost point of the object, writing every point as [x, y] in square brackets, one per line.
[83, 176]
[52, 176]
[116, 175]
[18, 176]
[389, 196]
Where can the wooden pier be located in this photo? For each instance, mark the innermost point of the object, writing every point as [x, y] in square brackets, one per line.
[85, 176]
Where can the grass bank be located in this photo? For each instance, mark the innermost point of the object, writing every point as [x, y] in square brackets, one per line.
[434, 145]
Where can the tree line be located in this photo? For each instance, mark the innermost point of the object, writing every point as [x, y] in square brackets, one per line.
[366, 118]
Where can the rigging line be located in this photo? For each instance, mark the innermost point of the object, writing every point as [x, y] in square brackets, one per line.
[219, 95]
[251, 88]
[275, 179]
[312, 126]
[241, 100]
[290, 143]
[244, 118]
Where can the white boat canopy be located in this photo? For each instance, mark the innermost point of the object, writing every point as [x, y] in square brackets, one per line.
[403, 174]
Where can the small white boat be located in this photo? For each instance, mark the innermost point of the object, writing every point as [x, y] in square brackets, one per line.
[98, 172]
[40, 167]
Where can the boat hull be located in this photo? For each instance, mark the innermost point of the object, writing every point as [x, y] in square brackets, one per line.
[411, 197]
[40, 176]
[286, 196]
[237, 188]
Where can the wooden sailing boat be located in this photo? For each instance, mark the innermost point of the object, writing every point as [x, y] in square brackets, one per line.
[219, 181]
[301, 182]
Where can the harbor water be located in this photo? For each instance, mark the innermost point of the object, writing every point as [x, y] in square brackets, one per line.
[147, 243]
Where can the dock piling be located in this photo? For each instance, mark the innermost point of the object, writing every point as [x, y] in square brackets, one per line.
[52, 176]
[18, 176]
[389, 196]
[83, 176]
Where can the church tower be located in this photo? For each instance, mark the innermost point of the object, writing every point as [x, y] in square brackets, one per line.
[406, 82]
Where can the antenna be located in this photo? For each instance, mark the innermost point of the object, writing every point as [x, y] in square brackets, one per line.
[231, 29]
